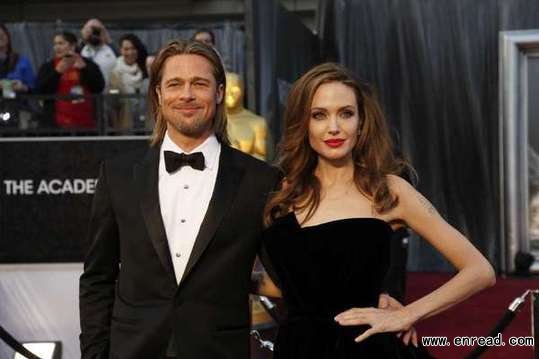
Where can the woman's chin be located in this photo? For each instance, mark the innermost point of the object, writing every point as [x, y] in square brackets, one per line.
[337, 158]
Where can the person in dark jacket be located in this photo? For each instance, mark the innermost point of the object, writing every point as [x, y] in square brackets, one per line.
[69, 74]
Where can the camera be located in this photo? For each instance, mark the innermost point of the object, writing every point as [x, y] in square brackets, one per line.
[95, 36]
[96, 31]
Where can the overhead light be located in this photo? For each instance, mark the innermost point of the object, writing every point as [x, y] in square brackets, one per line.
[5, 116]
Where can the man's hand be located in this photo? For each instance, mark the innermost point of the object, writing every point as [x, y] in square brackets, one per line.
[385, 301]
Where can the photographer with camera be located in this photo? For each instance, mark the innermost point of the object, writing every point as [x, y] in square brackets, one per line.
[96, 39]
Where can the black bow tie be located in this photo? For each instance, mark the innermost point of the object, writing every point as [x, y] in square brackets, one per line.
[175, 161]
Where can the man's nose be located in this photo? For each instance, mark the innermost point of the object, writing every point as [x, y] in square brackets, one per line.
[186, 93]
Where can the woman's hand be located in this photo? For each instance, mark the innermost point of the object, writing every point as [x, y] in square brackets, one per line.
[79, 62]
[19, 86]
[379, 320]
[65, 63]
[385, 301]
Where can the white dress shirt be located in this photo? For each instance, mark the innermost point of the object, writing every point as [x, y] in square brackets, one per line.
[184, 197]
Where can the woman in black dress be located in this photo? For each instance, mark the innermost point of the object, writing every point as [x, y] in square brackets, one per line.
[326, 245]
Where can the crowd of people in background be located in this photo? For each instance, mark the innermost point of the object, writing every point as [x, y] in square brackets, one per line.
[81, 68]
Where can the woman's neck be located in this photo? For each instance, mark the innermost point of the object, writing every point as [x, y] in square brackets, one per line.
[332, 173]
[134, 63]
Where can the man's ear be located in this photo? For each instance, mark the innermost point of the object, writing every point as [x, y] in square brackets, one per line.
[220, 93]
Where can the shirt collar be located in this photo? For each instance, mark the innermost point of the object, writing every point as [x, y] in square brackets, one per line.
[210, 148]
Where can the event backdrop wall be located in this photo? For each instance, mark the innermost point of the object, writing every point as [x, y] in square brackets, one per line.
[435, 64]
[46, 188]
[280, 48]
[34, 39]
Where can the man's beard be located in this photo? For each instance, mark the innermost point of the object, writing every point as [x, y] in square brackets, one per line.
[195, 128]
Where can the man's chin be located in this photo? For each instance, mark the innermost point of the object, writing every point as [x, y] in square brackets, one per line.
[193, 128]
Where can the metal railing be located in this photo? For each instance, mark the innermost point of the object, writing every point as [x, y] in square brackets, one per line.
[110, 114]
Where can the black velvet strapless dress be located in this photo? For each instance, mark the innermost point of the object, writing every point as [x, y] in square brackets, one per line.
[324, 270]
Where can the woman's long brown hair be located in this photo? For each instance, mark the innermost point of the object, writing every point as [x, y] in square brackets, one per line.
[373, 154]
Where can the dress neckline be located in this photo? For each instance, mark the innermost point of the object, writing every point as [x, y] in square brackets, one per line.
[348, 219]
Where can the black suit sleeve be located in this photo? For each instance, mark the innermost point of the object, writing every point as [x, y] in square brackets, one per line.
[98, 281]
[92, 77]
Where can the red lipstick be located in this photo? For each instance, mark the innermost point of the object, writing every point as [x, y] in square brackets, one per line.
[334, 142]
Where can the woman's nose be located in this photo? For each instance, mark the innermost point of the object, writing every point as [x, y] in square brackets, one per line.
[333, 126]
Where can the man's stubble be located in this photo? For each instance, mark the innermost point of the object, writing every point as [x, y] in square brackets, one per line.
[195, 128]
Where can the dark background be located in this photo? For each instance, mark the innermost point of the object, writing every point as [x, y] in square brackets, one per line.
[49, 228]
[435, 64]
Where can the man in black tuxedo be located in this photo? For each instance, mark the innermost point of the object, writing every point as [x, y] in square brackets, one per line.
[174, 229]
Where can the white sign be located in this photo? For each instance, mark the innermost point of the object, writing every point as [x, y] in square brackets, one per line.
[25, 187]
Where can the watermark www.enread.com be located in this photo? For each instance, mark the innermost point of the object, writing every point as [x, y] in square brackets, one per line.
[497, 341]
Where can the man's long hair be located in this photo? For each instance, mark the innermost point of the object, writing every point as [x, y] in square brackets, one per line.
[372, 154]
[183, 47]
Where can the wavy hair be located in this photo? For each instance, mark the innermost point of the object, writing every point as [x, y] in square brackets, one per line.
[373, 153]
[184, 47]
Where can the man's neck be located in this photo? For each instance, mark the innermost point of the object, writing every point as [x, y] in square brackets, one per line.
[186, 143]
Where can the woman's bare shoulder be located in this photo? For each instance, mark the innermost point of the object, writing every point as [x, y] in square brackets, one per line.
[410, 200]
[399, 186]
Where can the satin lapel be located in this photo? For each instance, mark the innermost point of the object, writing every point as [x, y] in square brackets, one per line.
[226, 189]
[146, 174]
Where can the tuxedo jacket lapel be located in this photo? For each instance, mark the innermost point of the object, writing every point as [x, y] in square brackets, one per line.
[146, 174]
[226, 189]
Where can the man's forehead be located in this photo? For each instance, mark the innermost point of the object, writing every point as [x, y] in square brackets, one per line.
[187, 66]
